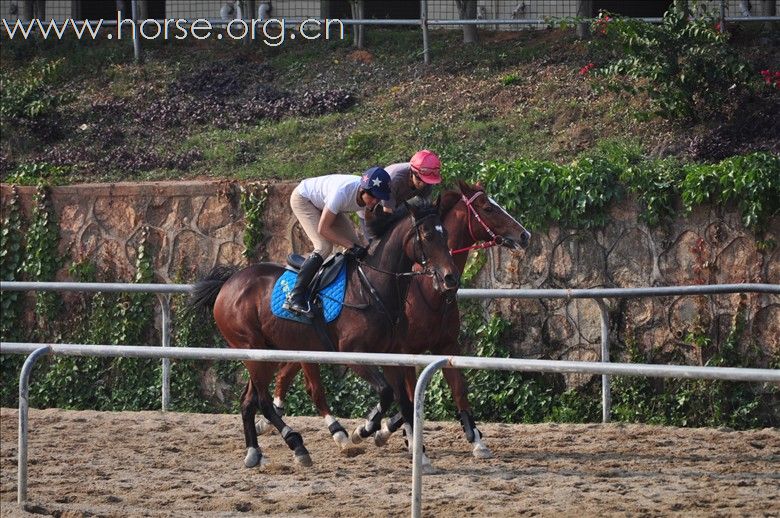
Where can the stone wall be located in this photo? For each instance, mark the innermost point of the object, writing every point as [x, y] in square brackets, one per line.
[196, 225]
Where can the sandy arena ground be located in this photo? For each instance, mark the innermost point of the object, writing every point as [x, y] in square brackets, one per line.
[152, 464]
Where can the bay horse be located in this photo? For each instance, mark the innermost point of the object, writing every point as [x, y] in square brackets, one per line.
[373, 305]
[470, 216]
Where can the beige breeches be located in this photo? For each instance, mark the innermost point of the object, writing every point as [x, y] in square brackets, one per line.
[309, 217]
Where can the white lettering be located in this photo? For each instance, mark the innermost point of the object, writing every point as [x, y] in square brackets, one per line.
[244, 27]
[302, 29]
[52, 25]
[196, 26]
[327, 28]
[270, 39]
[150, 22]
[18, 25]
[120, 22]
[86, 24]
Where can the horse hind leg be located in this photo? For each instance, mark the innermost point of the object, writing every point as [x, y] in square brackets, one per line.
[314, 387]
[260, 374]
[284, 380]
[249, 406]
[293, 439]
[374, 418]
[393, 424]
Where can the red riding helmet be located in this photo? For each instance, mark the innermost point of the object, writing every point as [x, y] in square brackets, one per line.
[427, 166]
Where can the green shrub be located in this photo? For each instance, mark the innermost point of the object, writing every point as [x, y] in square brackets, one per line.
[29, 94]
[577, 195]
[683, 64]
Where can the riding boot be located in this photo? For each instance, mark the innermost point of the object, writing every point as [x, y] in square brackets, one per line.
[298, 300]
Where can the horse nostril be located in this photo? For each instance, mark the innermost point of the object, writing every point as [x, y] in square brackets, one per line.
[525, 239]
[451, 281]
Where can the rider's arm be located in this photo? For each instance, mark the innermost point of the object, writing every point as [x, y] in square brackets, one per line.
[326, 230]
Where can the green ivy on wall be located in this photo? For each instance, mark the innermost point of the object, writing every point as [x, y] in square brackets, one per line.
[577, 195]
[11, 262]
[253, 199]
[43, 259]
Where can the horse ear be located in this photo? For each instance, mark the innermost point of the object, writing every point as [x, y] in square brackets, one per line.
[437, 202]
[465, 188]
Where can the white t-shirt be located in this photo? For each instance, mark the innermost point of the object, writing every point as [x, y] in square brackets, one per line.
[335, 192]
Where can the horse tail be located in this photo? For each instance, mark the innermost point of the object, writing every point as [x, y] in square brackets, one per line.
[205, 292]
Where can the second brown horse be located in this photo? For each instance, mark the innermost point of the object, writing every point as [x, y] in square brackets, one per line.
[470, 216]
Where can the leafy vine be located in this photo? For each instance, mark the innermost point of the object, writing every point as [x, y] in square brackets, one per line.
[253, 199]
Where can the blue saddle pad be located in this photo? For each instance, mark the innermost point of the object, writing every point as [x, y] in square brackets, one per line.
[331, 296]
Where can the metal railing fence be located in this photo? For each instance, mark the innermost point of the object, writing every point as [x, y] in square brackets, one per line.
[431, 364]
[163, 292]
[491, 14]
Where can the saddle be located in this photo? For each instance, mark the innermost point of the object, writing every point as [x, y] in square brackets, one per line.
[326, 274]
[326, 290]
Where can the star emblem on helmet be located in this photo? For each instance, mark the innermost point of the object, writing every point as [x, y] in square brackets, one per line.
[377, 182]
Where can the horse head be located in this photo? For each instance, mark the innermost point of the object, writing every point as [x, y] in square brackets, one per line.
[416, 232]
[429, 248]
[489, 221]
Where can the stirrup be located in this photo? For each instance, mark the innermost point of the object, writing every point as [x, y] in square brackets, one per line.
[305, 311]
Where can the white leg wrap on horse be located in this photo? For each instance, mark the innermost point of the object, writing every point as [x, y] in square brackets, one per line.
[383, 435]
[278, 403]
[254, 457]
[480, 451]
[408, 436]
[263, 426]
[340, 436]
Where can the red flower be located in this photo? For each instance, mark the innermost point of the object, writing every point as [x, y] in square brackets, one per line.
[584, 70]
[771, 78]
[601, 24]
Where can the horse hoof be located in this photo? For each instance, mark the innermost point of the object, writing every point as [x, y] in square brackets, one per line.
[253, 458]
[264, 426]
[304, 460]
[355, 437]
[342, 440]
[381, 437]
[427, 467]
[481, 451]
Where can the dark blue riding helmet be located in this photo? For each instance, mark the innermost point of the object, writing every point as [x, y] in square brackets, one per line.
[377, 182]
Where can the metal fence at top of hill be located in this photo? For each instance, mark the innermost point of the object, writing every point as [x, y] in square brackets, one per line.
[227, 19]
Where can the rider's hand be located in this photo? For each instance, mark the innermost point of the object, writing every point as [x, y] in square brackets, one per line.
[357, 251]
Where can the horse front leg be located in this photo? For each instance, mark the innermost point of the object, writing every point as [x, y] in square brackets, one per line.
[314, 387]
[284, 380]
[376, 379]
[393, 424]
[397, 377]
[458, 387]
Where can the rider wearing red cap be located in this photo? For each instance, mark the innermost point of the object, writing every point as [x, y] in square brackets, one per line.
[413, 178]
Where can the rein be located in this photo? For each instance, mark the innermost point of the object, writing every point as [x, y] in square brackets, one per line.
[398, 276]
[496, 240]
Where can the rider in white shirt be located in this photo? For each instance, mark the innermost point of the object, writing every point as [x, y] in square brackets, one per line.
[321, 205]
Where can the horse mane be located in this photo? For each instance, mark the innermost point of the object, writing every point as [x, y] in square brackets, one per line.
[380, 222]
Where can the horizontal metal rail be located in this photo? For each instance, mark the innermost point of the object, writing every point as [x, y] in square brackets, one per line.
[597, 294]
[463, 293]
[402, 360]
[430, 362]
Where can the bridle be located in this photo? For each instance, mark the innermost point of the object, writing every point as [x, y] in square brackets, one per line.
[495, 239]
[427, 270]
